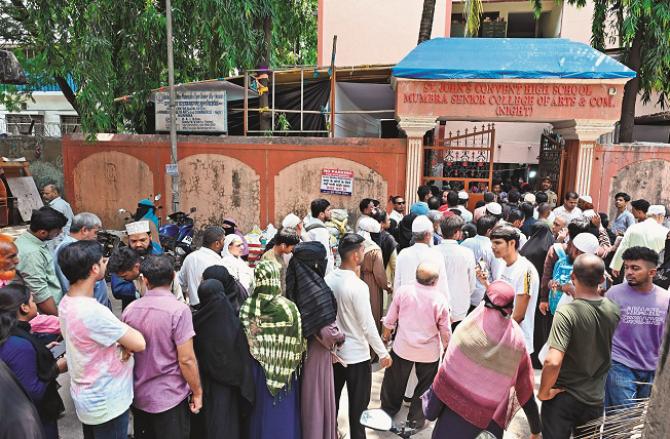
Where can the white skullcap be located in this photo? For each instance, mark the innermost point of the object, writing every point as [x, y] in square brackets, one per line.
[290, 221]
[462, 195]
[656, 209]
[586, 198]
[369, 225]
[422, 224]
[586, 243]
[529, 198]
[494, 208]
[137, 227]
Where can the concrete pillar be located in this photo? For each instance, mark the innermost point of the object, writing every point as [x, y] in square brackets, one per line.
[586, 134]
[415, 128]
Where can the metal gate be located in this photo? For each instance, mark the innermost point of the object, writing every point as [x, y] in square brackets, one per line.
[463, 160]
[552, 160]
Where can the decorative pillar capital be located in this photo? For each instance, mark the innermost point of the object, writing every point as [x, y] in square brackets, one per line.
[416, 126]
[583, 130]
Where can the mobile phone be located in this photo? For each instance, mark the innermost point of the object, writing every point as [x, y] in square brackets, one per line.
[58, 350]
[482, 264]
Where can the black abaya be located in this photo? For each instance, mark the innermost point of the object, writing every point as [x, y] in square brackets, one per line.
[225, 366]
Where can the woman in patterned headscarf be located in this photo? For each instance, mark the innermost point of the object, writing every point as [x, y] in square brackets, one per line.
[273, 328]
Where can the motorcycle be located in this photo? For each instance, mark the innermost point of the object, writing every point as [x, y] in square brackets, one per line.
[176, 237]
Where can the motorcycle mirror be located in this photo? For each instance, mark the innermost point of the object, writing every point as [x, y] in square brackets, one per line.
[193, 209]
[158, 197]
[376, 419]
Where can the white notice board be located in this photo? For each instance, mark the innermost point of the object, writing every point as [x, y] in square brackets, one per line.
[26, 194]
[196, 111]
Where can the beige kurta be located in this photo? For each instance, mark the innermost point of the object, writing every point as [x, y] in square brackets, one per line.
[374, 275]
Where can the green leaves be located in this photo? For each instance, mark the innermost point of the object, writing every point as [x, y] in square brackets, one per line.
[116, 48]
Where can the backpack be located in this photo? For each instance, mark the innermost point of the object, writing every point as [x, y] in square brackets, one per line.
[561, 274]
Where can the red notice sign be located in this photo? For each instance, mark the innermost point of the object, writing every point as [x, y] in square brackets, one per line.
[337, 181]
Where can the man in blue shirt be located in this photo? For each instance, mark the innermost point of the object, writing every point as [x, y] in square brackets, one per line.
[624, 218]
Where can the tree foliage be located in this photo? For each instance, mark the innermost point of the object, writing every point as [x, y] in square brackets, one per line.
[115, 48]
[641, 28]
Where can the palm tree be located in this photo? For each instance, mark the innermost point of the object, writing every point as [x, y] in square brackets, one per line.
[426, 25]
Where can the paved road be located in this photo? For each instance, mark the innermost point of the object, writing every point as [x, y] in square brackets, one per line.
[70, 427]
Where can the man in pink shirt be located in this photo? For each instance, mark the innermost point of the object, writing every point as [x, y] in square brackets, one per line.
[421, 315]
[166, 376]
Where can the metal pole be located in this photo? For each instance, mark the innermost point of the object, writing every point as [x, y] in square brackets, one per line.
[173, 115]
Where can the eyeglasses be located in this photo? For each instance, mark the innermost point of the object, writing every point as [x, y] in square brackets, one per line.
[399, 202]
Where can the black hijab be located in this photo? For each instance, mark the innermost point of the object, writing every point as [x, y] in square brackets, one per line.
[234, 291]
[47, 371]
[404, 232]
[220, 344]
[537, 247]
[19, 417]
[386, 242]
[305, 286]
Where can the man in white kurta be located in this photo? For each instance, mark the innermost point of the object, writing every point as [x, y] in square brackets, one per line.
[422, 251]
[197, 262]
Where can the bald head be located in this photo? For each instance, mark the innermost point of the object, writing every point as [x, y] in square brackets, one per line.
[588, 270]
[427, 273]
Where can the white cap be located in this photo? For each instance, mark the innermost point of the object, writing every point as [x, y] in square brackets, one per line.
[422, 224]
[586, 198]
[462, 195]
[494, 208]
[369, 225]
[656, 209]
[529, 198]
[290, 221]
[137, 227]
[586, 243]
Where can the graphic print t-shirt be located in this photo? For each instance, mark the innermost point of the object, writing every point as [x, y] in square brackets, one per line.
[638, 337]
[523, 277]
[101, 384]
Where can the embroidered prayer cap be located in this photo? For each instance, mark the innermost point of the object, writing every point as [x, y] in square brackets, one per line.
[462, 195]
[656, 209]
[290, 221]
[137, 227]
[494, 208]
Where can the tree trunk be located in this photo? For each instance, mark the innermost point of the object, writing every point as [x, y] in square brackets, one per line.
[264, 61]
[68, 93]
[426, 25]
[631, 89]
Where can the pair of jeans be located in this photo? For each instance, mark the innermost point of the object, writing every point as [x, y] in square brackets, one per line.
[564, 415]
[624, 385]
[117, 428]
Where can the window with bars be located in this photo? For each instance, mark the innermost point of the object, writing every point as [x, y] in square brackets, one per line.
[70, 124]
[25, 124]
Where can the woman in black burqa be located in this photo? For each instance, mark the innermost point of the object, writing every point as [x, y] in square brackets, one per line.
[306, 287]
[225, 366]
[233, 289]
[535, 250]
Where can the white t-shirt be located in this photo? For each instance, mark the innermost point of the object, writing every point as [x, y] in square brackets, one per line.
[523, 277]
[101, 384]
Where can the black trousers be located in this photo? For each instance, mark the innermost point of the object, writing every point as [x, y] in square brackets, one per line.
[565, 415]
[170, 424]
[395, 382]
[358, 378]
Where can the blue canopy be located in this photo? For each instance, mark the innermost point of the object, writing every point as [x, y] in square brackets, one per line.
[508, 58]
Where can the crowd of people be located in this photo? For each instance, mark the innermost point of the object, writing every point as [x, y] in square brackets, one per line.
[458, 302]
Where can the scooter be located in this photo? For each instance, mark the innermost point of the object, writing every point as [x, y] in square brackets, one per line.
[177, 235]
[378, 419]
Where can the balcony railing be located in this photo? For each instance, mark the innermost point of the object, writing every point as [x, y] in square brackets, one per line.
[37, 129]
